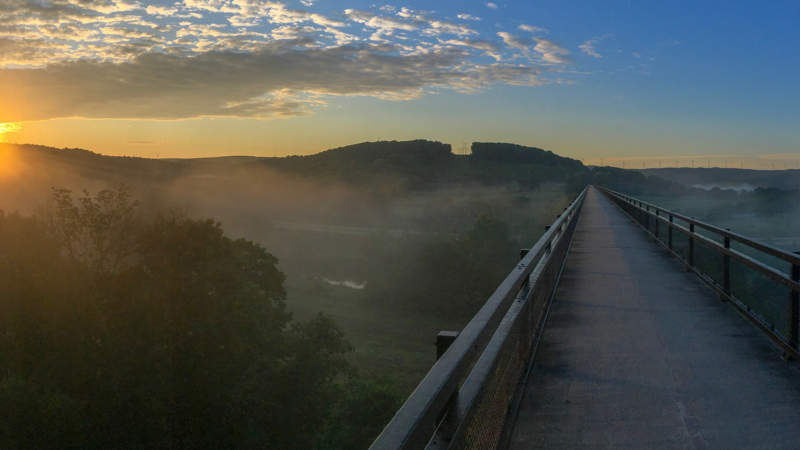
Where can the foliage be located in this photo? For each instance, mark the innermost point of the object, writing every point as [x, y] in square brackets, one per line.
[118, 331]
[97, 231]
[420, 164]
[454, 277]
[359, 413]
[519, 154]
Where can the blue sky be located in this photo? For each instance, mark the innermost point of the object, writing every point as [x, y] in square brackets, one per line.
[593, 80]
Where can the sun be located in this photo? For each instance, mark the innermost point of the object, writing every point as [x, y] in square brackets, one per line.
[8, 127]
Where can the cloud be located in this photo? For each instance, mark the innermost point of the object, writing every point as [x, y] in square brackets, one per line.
[386, 24]
[243, 58]
[491, 5]
[590, 47]
[103, 6]
[160, 10]
[516, 42]
[468, 17]
[33, 51]
[548, 51]
[278, 13]
[490, 48]
[436, 27]
[552, 52]
[283, 78]
[432, 26]
[532, 29]
[30, 12]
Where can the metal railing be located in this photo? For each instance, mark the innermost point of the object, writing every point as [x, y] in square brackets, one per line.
[465, 399]
[765, 294]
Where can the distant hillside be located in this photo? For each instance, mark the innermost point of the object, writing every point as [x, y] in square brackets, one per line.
[707, 177]
[421, 164]
[87, 164]
[414, 164]
[636, 182]
[384, 165]
[518, 154]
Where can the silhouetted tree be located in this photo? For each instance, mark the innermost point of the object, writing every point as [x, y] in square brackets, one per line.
[118, 332]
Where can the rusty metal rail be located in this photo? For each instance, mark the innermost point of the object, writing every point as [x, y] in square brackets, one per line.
[653, 218]
[464, 401]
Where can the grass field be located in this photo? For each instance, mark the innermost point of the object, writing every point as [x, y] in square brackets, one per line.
[388, 342]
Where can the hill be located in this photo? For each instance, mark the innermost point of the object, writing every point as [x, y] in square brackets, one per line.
[415, 165]
[420, 165]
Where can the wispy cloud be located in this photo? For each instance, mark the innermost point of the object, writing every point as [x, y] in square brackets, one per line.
[490, 48]
[468, 17]
[552, 52]
[491, 5]
[590, 46]
[517, 42]
[532, 29]
[548, 51]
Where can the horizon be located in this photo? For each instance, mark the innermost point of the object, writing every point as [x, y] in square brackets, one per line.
[767, 163]
[618, 84]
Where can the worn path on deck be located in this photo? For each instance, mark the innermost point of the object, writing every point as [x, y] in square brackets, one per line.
[638, 353]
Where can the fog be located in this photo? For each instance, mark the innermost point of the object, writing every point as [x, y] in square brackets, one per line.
[741, 187]
[360, 253]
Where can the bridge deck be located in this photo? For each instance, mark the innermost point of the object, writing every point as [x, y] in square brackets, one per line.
[638, 353]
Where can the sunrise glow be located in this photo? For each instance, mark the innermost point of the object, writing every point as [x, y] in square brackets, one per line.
[8, 127]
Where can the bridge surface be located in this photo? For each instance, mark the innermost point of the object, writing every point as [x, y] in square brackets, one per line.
[638, 353]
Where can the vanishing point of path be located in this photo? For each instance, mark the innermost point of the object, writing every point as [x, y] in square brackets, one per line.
[638, 353]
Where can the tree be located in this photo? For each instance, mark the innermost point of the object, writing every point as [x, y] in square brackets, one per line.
[119, 331]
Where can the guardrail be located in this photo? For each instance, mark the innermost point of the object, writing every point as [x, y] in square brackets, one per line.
[740, 276]
[464, 401]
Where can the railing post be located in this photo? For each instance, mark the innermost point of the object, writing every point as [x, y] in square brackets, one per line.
[691, 245]
[443, 341]
[669, 232]
[657, 223]
[795, 309]
[726, 267]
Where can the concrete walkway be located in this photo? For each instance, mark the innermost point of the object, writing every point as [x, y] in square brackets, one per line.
[638, 353]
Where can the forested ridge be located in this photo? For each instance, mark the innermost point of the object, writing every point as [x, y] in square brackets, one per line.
[415, 165]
